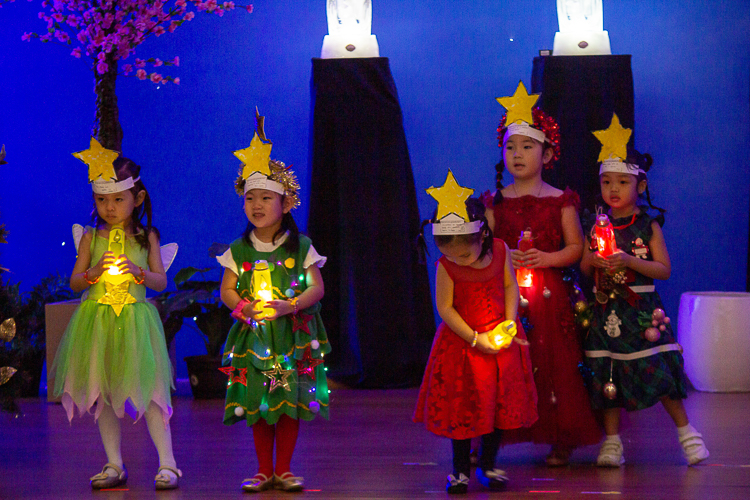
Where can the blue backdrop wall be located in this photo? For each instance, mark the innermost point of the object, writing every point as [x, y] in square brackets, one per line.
[691, 67]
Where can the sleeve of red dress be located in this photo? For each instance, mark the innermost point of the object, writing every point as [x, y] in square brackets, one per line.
[570, 197]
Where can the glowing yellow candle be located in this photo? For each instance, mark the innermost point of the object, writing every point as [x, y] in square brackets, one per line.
[262, 288]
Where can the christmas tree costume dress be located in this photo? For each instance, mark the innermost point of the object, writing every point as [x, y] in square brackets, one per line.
[565, 415]
[466, 393]
[106, 358]
[642, 371]
[277, 367]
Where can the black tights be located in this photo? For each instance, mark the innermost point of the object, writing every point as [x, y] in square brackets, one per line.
[487, 453]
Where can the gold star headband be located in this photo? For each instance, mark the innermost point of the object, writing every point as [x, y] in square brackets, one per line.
[615, 149]
[452, 217]
[260, 172]
[520, 119]
[102, 174]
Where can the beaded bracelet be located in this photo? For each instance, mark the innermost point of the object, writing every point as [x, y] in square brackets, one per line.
[86, 277]
[474, 340]
[294, 305]
[237, 313]
[142, 276]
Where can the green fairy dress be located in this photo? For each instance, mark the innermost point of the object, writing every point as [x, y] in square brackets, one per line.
[120, 360]
[275, 368]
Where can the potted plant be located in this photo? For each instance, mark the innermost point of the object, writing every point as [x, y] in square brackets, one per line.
[198, 301]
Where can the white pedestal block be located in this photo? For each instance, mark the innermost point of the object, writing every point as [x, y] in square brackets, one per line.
[587, 43]
[349, 47]
[714, 330]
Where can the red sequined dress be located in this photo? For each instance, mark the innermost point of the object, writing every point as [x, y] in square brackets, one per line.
[565, 415]
[466, 393]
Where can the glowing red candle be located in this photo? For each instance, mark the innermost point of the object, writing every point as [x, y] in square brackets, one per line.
[605, 236]
[525, 276]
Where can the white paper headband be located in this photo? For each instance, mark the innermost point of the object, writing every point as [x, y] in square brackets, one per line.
[452, 224]
[618, 166]
[109, 187]
[524, 128]
[258, 180]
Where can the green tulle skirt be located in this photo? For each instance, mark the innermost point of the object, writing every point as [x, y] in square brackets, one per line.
[118, 360]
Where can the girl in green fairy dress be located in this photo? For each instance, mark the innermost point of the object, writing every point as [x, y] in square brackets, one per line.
[274, 352]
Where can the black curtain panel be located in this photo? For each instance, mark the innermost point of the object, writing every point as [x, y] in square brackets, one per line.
[582, 92]
[364, 217]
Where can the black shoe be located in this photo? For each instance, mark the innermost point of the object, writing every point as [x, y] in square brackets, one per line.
[494, 479]
[457, 486]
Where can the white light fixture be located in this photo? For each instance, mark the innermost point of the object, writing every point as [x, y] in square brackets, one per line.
[581, 29]
[349, 35]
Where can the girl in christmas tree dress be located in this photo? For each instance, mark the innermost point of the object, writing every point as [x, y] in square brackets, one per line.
[478, 380]
[630, 347]
[113, 353]
[273, 355]
[530, 142]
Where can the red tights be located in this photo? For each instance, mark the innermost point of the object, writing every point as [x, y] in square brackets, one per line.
[284, 432]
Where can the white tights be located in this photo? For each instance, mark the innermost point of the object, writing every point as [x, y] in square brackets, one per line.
[161, 435]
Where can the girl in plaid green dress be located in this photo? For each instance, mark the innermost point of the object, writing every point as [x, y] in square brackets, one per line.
[630, 348]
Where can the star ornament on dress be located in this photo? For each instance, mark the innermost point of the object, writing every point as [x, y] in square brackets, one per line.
[229, 372]
[519, 105]
[614, 140]
[299, 322]
[99, 159]
[279, 377]
[306, 365]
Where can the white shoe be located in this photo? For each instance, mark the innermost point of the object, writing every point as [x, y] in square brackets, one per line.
[610, 454]
[694, 448]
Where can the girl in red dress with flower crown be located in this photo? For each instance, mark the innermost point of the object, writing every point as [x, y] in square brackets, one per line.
[478, 379]
[530, 142]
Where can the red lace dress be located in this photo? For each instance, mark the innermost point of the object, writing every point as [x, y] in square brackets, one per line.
[565, 415]
[466, 393]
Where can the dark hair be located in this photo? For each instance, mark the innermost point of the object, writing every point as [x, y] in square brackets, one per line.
[644, 162]
[124, 168]
[500, 167]
[475, 209]
[291, 244]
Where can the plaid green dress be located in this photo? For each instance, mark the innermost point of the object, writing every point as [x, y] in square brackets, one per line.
[642, 371]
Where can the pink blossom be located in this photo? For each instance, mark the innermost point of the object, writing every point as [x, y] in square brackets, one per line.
[81, 36]
[176, 81]
[26, 37]
[189, 16]
[101, 67]
[249, 9]
[140, 63]
[228, 5]
[173, 26]
[156, 77]
[127, 69]
[141, 74]
[180, 3]
[176, 61]
[57, 17]
[45, 38]
[76, 52]
[159, 31]
[158, 62]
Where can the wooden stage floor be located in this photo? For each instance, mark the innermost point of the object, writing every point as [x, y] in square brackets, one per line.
[370, 449]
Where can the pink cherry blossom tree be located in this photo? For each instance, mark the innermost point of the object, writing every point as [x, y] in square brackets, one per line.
[107, 32]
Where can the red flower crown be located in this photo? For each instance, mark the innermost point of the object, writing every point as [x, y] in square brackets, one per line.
[543, 122]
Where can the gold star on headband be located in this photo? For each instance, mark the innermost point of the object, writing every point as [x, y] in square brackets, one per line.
[519, 105]
[614, 140]
[451, 198]
[99, 159]
[255, 158]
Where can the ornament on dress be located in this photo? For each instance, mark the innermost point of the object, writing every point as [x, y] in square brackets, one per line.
[659, 322]
[523, 301]
[314, 406]
[546, 293]
[263, 407]
[553, 398]
[452, 217]
[240, 378]
[609, 389]
[314, 344]
[117, 284]
[306, 365]
[612, 326]
[524, 275]
[639, 249]
[300, 322]
[239, 411]
[279, 377]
